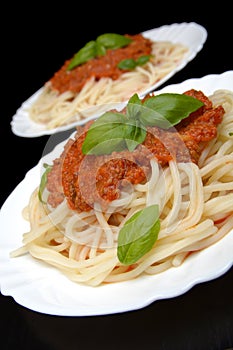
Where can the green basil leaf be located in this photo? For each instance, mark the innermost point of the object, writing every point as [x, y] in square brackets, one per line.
[113, 41]
[171, 106]
[112, 132]
[140, 61]
[150, 117]
[105, 134]
[136, 135]
[43, 181]
[230, 133]
[138, 235]
[127, 64]
[135, 99]
[83, 55]
[100, 50]
[130, 63]
[136, 110]
[133, 107]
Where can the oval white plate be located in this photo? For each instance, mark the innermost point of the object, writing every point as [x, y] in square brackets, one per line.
[191, 35]
[42, 288]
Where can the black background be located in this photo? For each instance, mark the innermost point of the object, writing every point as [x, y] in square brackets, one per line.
[35, 42]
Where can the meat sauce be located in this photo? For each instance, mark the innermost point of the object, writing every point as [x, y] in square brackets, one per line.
[86, 179]
[100, 67]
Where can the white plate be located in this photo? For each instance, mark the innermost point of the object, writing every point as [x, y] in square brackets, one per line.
[191, 35]
[42, 288]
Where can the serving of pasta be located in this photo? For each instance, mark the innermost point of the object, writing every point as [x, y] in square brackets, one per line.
[136, 192]
[107, 71]
[55, 108]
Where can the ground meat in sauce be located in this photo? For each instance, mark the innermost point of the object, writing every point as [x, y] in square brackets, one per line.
[84, 180]
[99, 67]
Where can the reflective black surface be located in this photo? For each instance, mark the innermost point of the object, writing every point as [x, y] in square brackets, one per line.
[34, 45]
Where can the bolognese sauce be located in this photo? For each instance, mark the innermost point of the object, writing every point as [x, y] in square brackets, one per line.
[86, 179]
[101, 66]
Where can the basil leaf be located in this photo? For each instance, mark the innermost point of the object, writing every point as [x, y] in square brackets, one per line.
[83, 55]
[113, 41]
[150, 117]
[135, 99]
[43, 181]
[100, 50]
[136, 110]
[138, 235]
[230, 133]
[112, 132]
[136, 135]
[128, 63]
[105, 134]
[171, 106]
[140, 61]
[133, 107]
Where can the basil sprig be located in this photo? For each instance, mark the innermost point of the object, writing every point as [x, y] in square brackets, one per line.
[98, 47]
[115, 131]
[43, 181]
[130, 63]
[138, 235]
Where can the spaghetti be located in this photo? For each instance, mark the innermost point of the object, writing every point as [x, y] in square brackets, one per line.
[195, 201]
[59, 103]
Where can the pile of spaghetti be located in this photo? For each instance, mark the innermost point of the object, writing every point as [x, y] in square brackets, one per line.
[133, 193]
[105, 71]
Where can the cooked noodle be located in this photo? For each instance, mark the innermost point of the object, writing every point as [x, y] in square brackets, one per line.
[53, 109]
[195, 203]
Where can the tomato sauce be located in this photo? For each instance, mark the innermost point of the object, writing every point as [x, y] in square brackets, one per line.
[99, 67]
[86, 179]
